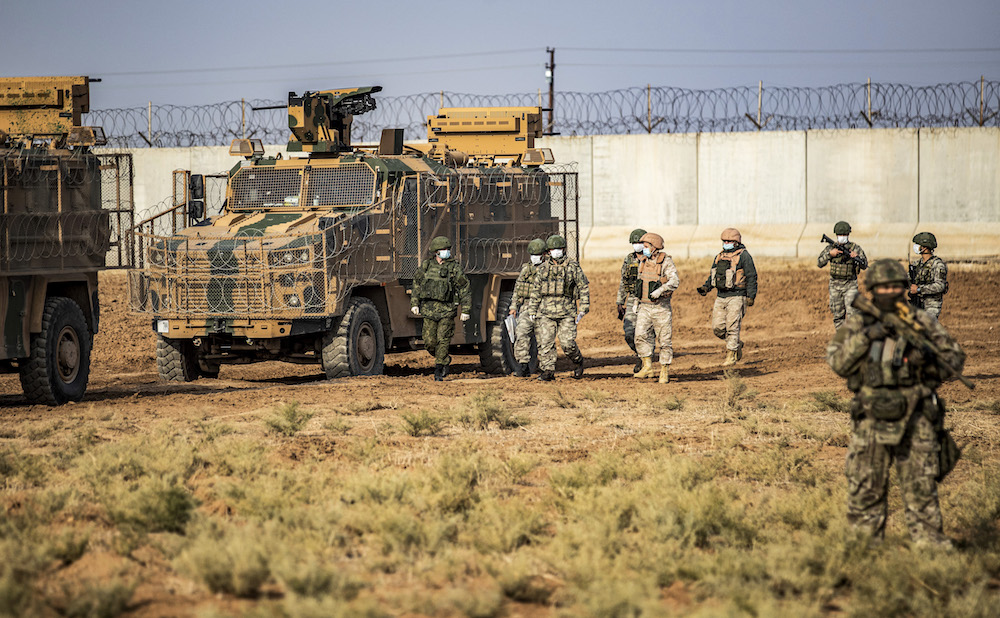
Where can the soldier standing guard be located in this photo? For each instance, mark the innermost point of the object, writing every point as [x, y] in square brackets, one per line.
[439, 288]
[928, 276]
[846, 260]
[525, 329]
[734, 276]
[657, 280]
[625, 300]
[560, 297]
[896, 413]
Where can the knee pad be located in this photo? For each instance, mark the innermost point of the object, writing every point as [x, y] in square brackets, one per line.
[719, 332]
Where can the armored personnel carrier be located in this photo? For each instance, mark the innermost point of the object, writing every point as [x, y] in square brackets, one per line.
[54, 235]
[313, 256]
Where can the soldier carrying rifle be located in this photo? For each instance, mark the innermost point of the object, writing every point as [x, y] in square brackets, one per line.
[928, 276]
[846, 260]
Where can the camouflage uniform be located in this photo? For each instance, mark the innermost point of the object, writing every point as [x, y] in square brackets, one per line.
[843, 280]
[655, 315]
[525, 329]
[626, 296]
[931, 279]
[896, 415]
[555, 292]
[438, 290]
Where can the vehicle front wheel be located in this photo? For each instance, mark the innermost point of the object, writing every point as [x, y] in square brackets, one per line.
[356, 346]
[496, 353]
[58, 365]
[176, 360]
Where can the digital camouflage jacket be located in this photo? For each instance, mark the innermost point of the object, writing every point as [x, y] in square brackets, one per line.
[438, 289]
[560, 289]
[843, 266]
[522, 287]
[930, 277]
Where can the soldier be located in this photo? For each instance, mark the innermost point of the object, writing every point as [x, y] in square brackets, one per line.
[439, 287]
[846, 260]
[734, 276]
[657, 280]
[896, 414]
[525, 329]
[560, 297]
[928, 276]
[626, 291]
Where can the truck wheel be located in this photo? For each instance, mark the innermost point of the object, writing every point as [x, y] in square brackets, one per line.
[356, 346]
[175, 360]
[58, 365]
[496, 353]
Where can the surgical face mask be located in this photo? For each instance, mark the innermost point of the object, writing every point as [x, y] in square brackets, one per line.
[647, 251]
[841, 239]
[637, 247]
[728, 246]
[916, 249]
[444, 254]
[536, 259]
[556, 253]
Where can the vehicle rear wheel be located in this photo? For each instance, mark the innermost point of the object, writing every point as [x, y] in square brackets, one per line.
[58, 366]
[356, 346]
[496, 353]
[176, 360]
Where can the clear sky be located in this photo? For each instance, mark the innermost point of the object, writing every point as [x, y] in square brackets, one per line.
[187, 52]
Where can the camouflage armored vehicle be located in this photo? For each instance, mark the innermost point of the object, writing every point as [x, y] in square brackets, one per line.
[54, 235]
[313, 256]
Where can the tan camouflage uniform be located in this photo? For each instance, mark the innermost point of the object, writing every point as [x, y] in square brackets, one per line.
[525, 329]
[931, 279]
[438, 290]
[559, 292]
[892, 380]
[626, 295]
[843, 280]
[654, 318]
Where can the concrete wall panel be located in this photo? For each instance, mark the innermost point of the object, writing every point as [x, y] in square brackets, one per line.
[578, 150]
[960, 175]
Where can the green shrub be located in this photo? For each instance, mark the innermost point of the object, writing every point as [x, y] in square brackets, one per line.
[287, 419]
[422, 424]
[231, 560]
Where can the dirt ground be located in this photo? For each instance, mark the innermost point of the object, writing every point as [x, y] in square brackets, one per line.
[785, 333]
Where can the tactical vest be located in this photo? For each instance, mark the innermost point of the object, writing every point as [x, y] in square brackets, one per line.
[843, 266]
[436, 284]
[925, 276]
[649, 277]
[557, 279]
[725, 274]
[631, 277]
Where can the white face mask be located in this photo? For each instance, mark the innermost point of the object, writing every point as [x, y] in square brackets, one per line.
[536, 259]
[556, 253]
[842, 239]
[916, 249]
[637, 247]
[728, 246]
[444, 254]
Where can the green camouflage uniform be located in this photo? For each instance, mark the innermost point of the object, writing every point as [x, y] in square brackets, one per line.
[626, 296]
[525, 329]
[843, 280]
[557, 288]
[892, 380]
[438, 290]
[931, 279]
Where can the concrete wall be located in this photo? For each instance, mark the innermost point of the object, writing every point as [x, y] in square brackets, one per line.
[783, 190]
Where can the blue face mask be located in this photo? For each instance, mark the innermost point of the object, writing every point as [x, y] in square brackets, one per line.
[728, 246]
[647, 251]
[444, 254]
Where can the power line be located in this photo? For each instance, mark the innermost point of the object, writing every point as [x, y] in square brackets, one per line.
[680, 50]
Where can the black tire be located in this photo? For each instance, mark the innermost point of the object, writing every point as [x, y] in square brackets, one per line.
[496, 353]
[58, 366]
[175, 360]
[356, 346]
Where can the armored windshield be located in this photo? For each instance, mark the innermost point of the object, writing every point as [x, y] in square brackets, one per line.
[267, 187]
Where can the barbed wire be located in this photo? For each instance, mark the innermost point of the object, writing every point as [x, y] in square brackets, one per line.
[631, 110]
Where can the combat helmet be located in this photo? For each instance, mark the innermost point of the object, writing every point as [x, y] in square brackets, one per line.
[842, 228]
[654, 239]
[925, 239]
[636, 235]
[885, 270]
[732, 234]
[555, 242]
[536, 247]
[439, 242]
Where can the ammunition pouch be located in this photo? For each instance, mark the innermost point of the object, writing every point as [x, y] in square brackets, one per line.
[884, 404]
[436, 285]
[653, 286]
[843, 268]
[558, 283]
[723, 275]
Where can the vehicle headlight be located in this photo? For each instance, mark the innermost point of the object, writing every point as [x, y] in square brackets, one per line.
[292, 300]
[304, 256]
[287, 258]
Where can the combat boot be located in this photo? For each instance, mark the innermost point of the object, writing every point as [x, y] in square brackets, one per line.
[438, 375]
[578, 371]
[638, 364]
[647, 368]
[730, 358]
[523, 370]
[547, 376]
[444, 370]
[664, 374]
[739, 352]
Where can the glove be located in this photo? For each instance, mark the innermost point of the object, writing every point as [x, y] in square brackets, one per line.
[579, 316]
[415, 311]
[876, 331]
[703, 290]
[658, 292]
[750, 302]
[513, 311]
[465, 317]
[621, 312]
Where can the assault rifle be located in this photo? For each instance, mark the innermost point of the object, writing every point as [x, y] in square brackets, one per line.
[914, 299]
[843, 248]
[903, 322]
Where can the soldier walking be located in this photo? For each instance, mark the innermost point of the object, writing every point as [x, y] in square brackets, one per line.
[734, 277]
[439, 288]
[846, 260]
[560, 297]
[525, 329]
[626, 301]
[928, 276]
[657, 280]
[896, 413]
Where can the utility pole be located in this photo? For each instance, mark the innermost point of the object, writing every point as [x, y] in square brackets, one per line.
[550, 74]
